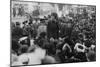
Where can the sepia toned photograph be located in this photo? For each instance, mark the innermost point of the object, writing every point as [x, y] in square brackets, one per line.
[44, 33]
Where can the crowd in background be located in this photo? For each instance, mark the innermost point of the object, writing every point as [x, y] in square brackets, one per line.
[54, 39]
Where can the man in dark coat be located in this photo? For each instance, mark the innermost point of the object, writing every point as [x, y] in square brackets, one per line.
[17, 32]
[53, 27]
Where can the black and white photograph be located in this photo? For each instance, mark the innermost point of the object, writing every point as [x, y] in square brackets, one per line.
[44, 33]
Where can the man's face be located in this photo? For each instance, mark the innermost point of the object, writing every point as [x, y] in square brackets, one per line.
[52, 17]
[18, 25]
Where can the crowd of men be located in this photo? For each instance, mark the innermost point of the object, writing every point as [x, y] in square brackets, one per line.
[54, 39]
